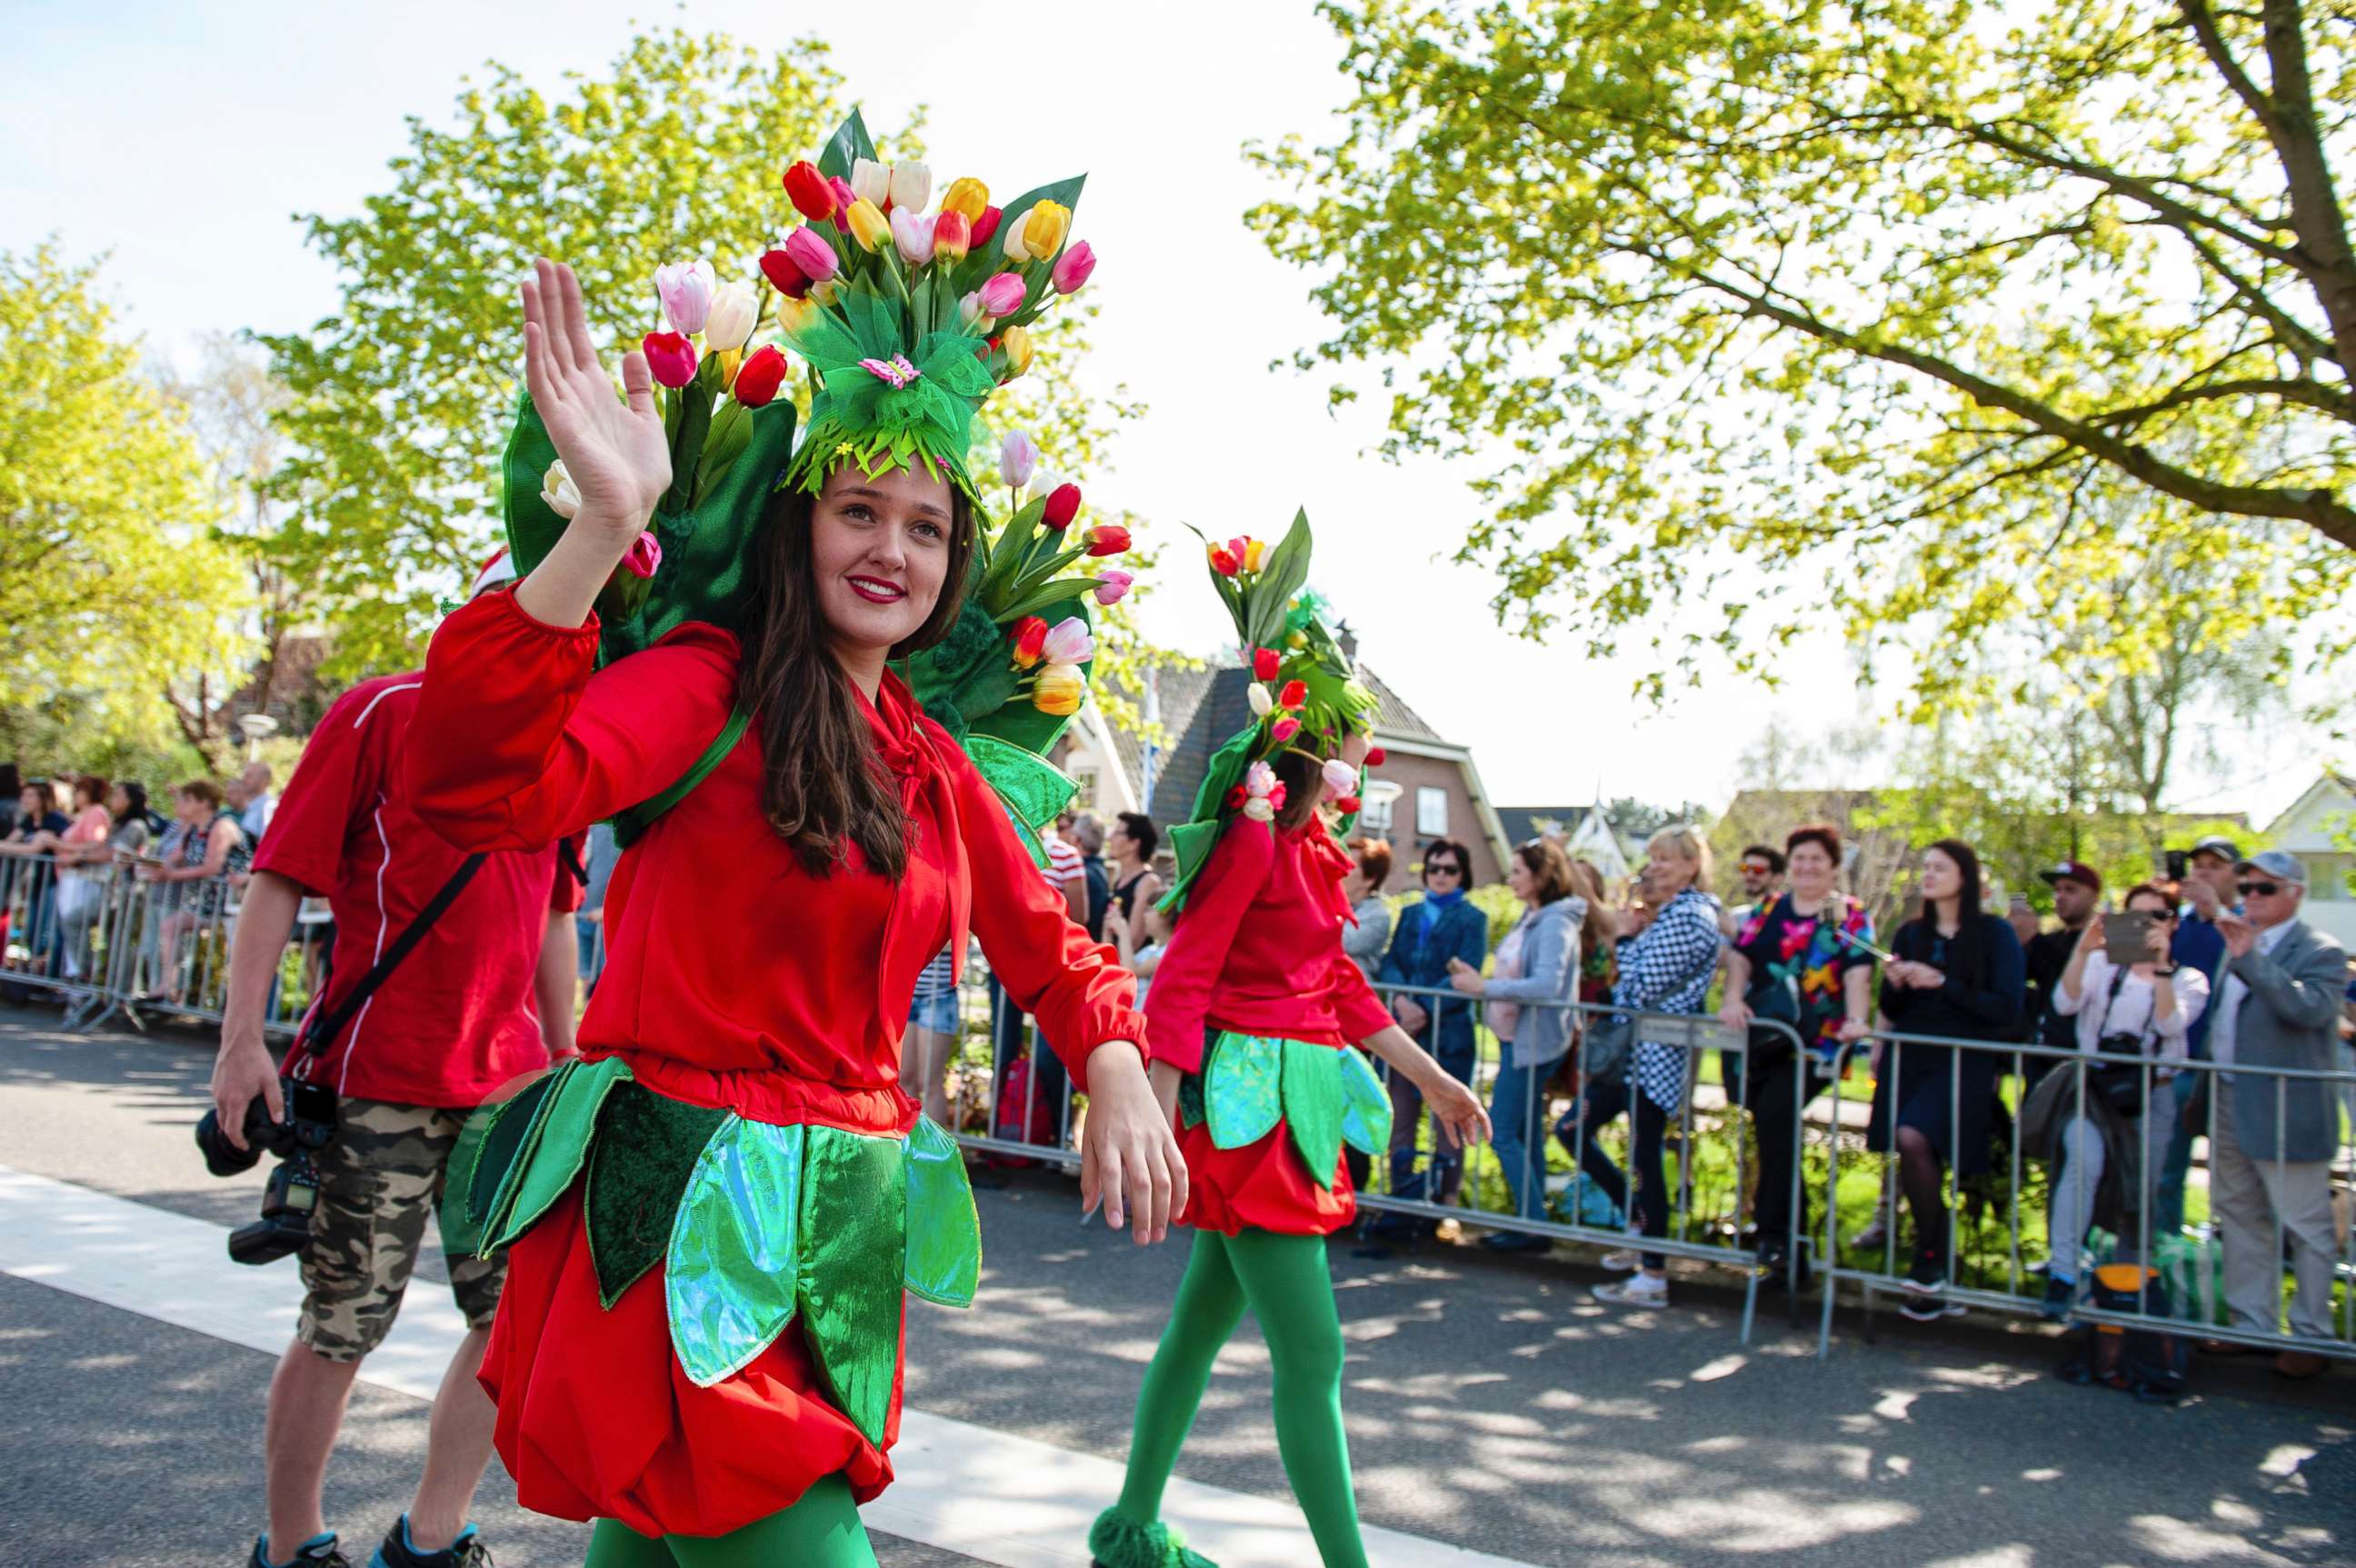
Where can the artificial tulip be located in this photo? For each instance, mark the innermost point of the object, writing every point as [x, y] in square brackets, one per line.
[1113, 586]
[1016, 343]
[967, 197]
[1018, 458]
[1285, 729]
[1253, 550]
[1108, 539]
[735, 313]
[1069, 643]
[1002, 296]
[912, 187]
[1063, 505]
[1059, 690]
[762, 373]
[557, 489]
[868, 226]
[969, 312]
[844, 197]
[1266, 662]
[795, 315]
[1240, 548]
[1043, 227]
[870, 182]
[685, 289]
[1376, 757]
[1073, 268]
[912, 236]
[952, 237]
[644, 556]
[1259, 778]
[784, 274]
[1224, 562]
[1341, 778]
[814, 253]
[1348, 805]
[810, 192]
[986, 225]
[670, 358]
[1030, 638]
[1261, 703]
[1295, 693]
[1260, 808]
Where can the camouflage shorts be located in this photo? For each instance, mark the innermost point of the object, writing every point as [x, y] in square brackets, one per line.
[376, 1182]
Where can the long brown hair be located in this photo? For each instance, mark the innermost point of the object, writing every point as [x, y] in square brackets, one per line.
[823, 788]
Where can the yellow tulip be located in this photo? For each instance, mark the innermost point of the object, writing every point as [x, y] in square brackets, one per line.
[1044, 227]
[1016, 342]
[969, 195]
[794, 314]
[868, 226]
[1252, 552]
[1059, 690]
[729, 360]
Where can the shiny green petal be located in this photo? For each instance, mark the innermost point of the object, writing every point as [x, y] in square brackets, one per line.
[1365, 1104]
[944, 1262]
[554, 1157]
[1312, 1106]
[854, 1268]
[1242, 1088]
[729, 1277]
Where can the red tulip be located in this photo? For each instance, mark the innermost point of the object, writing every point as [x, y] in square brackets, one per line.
[1224, 561]
[762, 372]
[808, 189]
[1265, 661]
[784, 275]
[1063, 505]
[986, 225]
[1348, 805]
[1108, 539]
[1376, 757]
[952, 237]
[669, 357]
[1276, 796]
[1295, 693]
[1030, 639]
[1235, 799]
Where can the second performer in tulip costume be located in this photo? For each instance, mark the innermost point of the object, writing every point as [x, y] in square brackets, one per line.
[1254, 1017]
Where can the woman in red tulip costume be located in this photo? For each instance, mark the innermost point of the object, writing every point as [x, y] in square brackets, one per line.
[807, 713]
[1253, 1017]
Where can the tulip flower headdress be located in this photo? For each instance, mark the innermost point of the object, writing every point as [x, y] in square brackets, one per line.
[1305, 697]
[908, 321]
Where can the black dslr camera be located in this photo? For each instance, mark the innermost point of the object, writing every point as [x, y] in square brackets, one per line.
[287, 1202]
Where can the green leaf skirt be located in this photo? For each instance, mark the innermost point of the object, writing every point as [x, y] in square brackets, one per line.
[755, 1225]
[1325, 1097]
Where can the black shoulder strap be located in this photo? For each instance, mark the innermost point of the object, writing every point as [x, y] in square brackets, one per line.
[326, 1025]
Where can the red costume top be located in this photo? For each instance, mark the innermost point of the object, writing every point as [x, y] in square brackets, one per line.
[1258, 951]
[734, 979]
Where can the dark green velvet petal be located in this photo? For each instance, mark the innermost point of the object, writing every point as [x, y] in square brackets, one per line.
[1312, 1106]
[515, 1137]
[1366, 1104]
[853, 1266]
[1190, 1099]
[944, 1230]
[552, 1162]
[645, 1150]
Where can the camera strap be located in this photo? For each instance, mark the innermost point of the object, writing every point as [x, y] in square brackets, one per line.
[319, 1031]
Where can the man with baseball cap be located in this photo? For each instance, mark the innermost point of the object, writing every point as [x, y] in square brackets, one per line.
[2208, 891]
[482, 993]
[2077, 888]
[2272, 1141]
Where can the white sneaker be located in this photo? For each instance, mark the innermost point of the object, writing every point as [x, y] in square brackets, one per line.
[1623, 1260]
[1873, 1235]
[1636, 1290]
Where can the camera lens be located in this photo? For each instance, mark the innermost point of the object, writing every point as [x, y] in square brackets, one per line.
[223, 1158]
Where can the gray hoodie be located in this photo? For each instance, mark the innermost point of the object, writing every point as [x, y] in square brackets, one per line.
[1549, 975]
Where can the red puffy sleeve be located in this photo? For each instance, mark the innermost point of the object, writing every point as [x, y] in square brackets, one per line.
[1075, 987]
[1357, 1008]
[1179, 1002]
[517, 744]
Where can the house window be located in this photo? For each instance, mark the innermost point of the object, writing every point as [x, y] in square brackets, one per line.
[1430, 811]
[1374, 810]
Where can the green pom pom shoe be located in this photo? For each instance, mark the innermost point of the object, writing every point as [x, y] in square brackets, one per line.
[1116, 1541]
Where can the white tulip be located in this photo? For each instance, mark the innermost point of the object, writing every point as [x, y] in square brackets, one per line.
[734, 308]
[870, 181]
[557, 489]
[910, 186]
[1260, 701]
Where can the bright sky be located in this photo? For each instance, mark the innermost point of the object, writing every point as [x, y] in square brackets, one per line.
[180, 138]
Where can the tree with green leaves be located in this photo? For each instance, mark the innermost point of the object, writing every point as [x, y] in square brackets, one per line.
[1891, 299]
[112, 586]
[402, 400]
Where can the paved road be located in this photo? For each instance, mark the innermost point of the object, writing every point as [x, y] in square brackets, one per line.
[1492, 1404]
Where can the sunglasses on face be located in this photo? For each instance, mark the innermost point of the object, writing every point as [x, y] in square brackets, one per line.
[1444, 868]
[2263, 889]
[1757, 870]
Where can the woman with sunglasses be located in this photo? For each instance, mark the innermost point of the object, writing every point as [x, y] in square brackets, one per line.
[1446, 927]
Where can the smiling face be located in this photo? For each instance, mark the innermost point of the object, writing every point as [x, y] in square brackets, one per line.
[1811, 869]
[1520, 880]
[1942, 877]
[879, 556]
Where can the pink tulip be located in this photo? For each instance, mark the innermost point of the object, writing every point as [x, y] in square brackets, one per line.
[808, 250]
[912, 236]
[1341, 778]
[1113, 586]
[644, 556]
[1285, 730]
[1069, 643]
[685, 289]
[844, 197]
[669, 357]
[1072, 268]
[1002, 296]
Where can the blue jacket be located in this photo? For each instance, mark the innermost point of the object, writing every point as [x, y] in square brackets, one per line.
[1419, 955]
[2198, 945]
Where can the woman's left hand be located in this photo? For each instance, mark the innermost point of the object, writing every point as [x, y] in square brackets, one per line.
[1129, 1158]
[1465, 978]
[1457, 1112]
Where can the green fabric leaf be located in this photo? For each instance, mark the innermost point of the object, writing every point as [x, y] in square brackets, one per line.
[854, 1268]
[1031, 789]
[1193, 841]
[850, 142]
[729, 1276]
[1312, 1106]
[487, 1146]
[1243, 1090]
[552, 1157]
[644, 1151]
[518, 1137]
[984, 259]
[1365, 1104]
[944, 1261]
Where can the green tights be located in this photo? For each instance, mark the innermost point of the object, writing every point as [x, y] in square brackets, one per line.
[1286, 1283]
[822, 1530]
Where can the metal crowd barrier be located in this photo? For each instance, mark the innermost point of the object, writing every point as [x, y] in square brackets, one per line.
[2017, 1065]
[106, 943]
